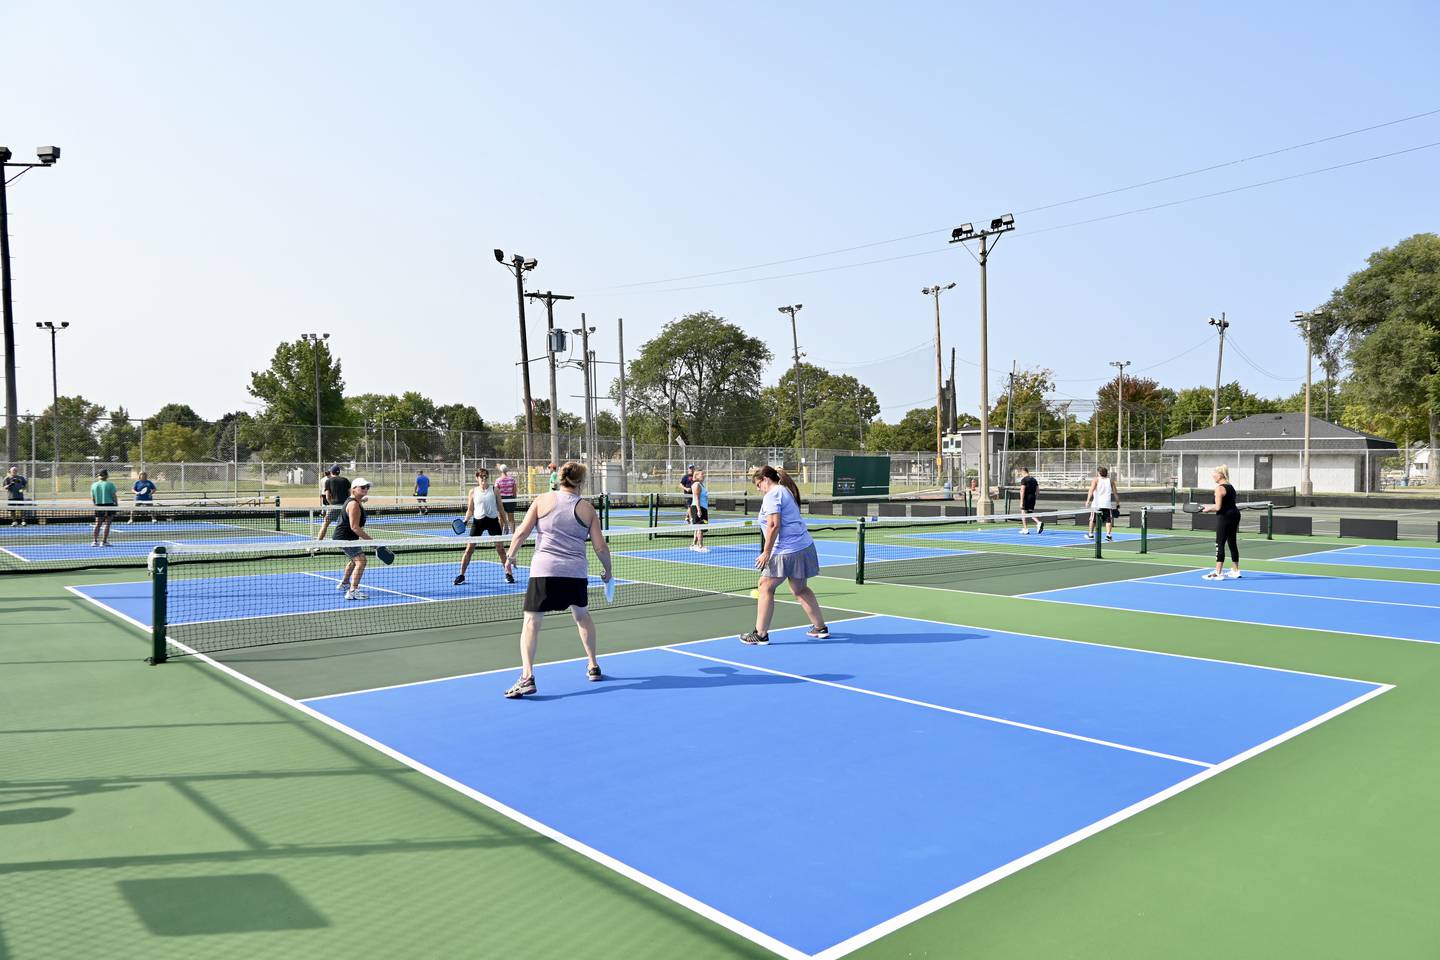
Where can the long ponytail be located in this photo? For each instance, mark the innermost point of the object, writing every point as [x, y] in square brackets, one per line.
[788, 482]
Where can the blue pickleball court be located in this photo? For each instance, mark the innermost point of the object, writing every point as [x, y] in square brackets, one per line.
[1375, 555]
[811, 795]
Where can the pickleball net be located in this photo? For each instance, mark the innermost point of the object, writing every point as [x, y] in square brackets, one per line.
[233, 596]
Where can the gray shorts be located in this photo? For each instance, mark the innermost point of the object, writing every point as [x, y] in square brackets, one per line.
[800, 565]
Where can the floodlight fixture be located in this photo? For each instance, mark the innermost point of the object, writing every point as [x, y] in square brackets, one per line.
[499, 255]
[5, 154]
[48, 155]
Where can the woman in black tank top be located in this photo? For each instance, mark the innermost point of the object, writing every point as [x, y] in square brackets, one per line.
[1227, 525]
[350, 526]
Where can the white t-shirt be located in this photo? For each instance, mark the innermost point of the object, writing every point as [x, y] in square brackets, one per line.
[484, 503]
[1104, 493]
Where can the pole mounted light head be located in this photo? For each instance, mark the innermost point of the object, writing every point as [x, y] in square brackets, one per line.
[47, 155]
[499, 255]
[963, 232]
[530, 264]
[5, 154]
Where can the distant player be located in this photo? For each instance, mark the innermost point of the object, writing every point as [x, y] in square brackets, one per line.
[422, 490]
[482, 514]
[1106, 502]
[144, 490]
[335, 495]
[1029, 490]
[505, 488]
[688, 479]
[106, 498]
[1227, 525]
[15, 484]
[699, 510]
[350, 525]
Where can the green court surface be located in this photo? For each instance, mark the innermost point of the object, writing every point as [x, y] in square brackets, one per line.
[176, 812]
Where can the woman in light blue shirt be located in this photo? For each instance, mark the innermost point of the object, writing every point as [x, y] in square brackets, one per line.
[788, 554]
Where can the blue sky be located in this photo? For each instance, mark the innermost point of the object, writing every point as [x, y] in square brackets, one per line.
[234, 174]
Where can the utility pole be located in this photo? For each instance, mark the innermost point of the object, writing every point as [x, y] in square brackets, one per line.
[552, 344]
[984, 506]
[1119, 408]
[935, 292]
[624, 412]
[1004, 471]
[315, 339]
[1306, 488]
[55, 396]
[586, 358]
[1221, 325]
[47, 157]
[519, 266]
[799, 388]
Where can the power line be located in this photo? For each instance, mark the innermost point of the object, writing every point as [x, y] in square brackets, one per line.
[1259, 369]
[1049, 206]
[1031, 233]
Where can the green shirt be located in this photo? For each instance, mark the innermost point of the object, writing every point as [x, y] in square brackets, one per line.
[554, 480]
[102, 493]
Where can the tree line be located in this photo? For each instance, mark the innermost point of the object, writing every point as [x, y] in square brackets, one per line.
[1376, 341]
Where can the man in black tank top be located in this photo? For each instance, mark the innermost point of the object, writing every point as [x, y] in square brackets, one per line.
[334, 492]
[350, 526]
[1227, 526]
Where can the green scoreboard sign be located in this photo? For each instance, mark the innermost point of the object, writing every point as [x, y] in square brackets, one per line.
[861, 477]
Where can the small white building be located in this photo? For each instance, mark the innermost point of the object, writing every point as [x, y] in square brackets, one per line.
[1263, 452]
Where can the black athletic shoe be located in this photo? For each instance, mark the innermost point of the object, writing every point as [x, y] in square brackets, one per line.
[755, 639]
[594, 674]
[1041, 528]
[460, 579]
[821, 632]
[509, 578]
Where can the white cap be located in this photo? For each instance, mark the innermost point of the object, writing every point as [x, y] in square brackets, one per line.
[359, 482]
[503, 468]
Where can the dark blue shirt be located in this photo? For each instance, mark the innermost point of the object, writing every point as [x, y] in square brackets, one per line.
[422, 485]
[144, 490]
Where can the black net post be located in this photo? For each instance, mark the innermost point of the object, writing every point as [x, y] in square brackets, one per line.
[1099, 535]
[860, 551]
[1269, 521]
[1144, 529]
[159, 594]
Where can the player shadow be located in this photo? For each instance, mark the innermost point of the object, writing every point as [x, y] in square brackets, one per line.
[898, 638]
[716, 676]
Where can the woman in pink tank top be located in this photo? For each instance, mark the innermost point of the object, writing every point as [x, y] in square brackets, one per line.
[559, 571]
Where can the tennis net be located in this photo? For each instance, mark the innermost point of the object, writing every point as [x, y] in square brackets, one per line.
[949, 550]
[233, 596]
[1176, 530]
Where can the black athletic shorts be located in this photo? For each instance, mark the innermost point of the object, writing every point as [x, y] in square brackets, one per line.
[1106, 514]
[1027, 506]
[698, 514]
[556, 594]
[480, 526]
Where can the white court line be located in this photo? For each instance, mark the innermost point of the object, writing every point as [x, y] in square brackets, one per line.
[1195, 616]
[1396, 553]
[368, 586]
[736, 926]
[954, 710]
[1284, 593]
[15, 555]
[618, 653]
[999, 873]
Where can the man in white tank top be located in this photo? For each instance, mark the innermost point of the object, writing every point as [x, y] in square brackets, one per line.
[1105, 501]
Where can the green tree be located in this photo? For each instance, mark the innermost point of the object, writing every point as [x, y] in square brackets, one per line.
[78, 419]
[287, 389]
[1390, 315]
[181, 413]
[703, 373]
[234, 436]
[849, 403]
[1190, 409]
[117, 436]
[1034, 421]
[914, 431]
[173, 443]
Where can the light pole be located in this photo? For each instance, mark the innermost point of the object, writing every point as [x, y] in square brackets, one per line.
[1303, 319]
[1119, 408]
[624, 412]
[965, 232]
[584, 333]
[55, 396]
[799, 389]
[553, 344]
[519, 266]
[315, 339]
[1221, 325]
[47, 157]
[935, 292]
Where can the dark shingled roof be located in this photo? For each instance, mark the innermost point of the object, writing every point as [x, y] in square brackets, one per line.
[1277, 431]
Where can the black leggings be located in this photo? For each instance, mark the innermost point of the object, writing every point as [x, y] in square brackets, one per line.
[1227, 531]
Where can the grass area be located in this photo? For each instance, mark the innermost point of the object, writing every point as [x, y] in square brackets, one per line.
[175, 812]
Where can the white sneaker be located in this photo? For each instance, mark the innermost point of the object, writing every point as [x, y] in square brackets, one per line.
[1026, 531]
[1232, 575]
[1212, 575]
[702, 549]
[355, 595]
[342, 585]
[694, 548]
